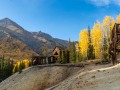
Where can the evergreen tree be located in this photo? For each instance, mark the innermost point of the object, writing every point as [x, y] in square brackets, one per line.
[105, 56]
[69, 49]
[29, 63]
[73, 53]
[63, 57]
[69, 44]
[20, 68]
[78, 54]
[16, 69]
[59, 57]
[2, 68]
[6, 68]
[2, 63]
[11, 66]
[90, 52]
[22, 65]
[45, 51]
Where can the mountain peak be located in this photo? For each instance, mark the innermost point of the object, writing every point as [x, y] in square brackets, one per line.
[6, 19]
[6, 22]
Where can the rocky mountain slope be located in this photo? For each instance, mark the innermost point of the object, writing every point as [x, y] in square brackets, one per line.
[24, 41]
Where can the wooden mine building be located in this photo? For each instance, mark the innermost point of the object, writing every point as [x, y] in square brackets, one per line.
[115, 42]
[57, 52]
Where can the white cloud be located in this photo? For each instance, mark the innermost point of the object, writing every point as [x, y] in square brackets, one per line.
[117, 2]
[105, 2]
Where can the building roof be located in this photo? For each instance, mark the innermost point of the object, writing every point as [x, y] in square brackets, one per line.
[60, 48]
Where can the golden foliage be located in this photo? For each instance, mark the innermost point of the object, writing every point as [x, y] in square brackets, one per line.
[118, 19]
[96, 35]
[77, 47]
[25, 62]
[100, 37]
[107, 26]
[84, 42]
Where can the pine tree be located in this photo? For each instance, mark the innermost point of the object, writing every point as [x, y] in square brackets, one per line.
[105, 55]
[6, 69]
[45, 51]
[90, 52]
[69, 49]
[77, 49]
[20, 68]
[63, 57]
[30, 63]
[73, 53]
[16, 69]
[22, 65]
[69, 44]
[11, 66]
[59, 57]
[2, 63]
[2, 68]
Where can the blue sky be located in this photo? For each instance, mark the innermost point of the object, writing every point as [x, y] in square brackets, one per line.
[59, 18]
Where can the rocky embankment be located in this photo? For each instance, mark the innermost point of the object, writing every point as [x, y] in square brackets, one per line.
[65, 77]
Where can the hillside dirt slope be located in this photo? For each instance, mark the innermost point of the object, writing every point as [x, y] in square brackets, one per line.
[98, 79]
[65, 77]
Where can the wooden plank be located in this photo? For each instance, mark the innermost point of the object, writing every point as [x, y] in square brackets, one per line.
[118, 33]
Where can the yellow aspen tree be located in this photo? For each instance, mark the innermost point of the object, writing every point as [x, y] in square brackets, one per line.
[77, 52]
[96, 35]
[77, 47]
[84, 42]
[25, 62]
[107, 26]
[118, 19]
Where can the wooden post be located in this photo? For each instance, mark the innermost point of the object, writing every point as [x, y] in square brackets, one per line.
[115, 40]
